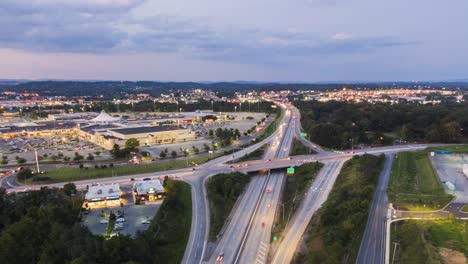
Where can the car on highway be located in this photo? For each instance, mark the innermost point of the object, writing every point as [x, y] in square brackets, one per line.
[147, 179]
[104, 221]
[146, 222]
[220, 258]
[120, 220]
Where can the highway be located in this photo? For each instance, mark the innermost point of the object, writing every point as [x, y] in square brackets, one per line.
[256, 244]
[197, 244]
[313, 199]
[298, 130]
[245, 219]
[372, 249]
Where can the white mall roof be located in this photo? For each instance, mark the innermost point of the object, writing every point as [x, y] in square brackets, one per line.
[148, 187]
[102, 192]
[105, 117]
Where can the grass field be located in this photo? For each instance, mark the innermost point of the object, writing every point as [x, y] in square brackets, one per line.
[334, 234]
[75, 174]
[296, 186]
[299, 149]
[425, 237]
[414, 184]
[223, 191]
[170, 229]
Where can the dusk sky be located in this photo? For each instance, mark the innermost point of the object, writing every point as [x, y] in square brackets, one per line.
[216, 40]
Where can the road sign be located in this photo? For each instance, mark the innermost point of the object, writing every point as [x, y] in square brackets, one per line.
[303, 134]
[290, 170]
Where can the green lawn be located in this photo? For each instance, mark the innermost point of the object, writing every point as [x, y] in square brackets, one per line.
[170, 229]
[296, 186]
[425, 237]
[414, 184]
[223, 191]
[75, 173]
[334, 234]
[299, 149]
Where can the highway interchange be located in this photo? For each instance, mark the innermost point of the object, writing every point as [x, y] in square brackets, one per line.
[247, 236]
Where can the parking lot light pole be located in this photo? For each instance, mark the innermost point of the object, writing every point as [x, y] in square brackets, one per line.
[37, 160]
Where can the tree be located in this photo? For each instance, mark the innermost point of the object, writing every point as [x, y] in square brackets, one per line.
[90, 157]
[24, 174]
[174, 154]
[162, 154]
[206, 147]
[453, 131]
[21, 160]
[210, 133]
[132, 144]
[69, 188]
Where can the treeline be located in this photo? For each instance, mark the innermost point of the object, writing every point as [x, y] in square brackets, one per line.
[43, 227]
[340, 124]
[150, 106]
[120, 88]
[337, 229]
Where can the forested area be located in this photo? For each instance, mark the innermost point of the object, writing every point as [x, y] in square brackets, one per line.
[338, 125]
[335, 233]
[44, 227]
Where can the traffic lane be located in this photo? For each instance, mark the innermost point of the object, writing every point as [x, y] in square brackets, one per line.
[194, 250]
[258, 239]
[287, 244]
[232, 236]
[313, 199]
[373, 242]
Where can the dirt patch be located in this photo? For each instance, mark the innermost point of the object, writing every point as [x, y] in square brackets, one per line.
[452, 256]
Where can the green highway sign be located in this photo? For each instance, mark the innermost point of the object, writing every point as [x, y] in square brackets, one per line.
[290, 170]
[303, 134]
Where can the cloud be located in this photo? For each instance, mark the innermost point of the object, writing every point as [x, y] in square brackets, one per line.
[107, 26]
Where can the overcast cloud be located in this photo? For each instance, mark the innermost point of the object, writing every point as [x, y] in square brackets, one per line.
[305, 35]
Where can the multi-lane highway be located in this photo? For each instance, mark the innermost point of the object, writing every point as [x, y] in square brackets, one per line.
[372, 248]
[253, 211]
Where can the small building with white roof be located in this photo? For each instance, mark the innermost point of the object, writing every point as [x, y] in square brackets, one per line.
[103, 195]
[148, 190]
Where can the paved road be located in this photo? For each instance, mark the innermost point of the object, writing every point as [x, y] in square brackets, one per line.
[313, 199]
[257, 239]
[254, 200]
[298, 130]
[372, 248]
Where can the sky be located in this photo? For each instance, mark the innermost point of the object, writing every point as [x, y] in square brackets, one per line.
[219, 40]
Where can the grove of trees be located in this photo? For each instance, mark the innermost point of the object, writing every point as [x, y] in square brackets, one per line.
[340, 124]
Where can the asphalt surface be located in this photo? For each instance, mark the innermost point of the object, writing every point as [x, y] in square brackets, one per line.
[372, 249]
[313, 199]
[253, 211]
[449, 168]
